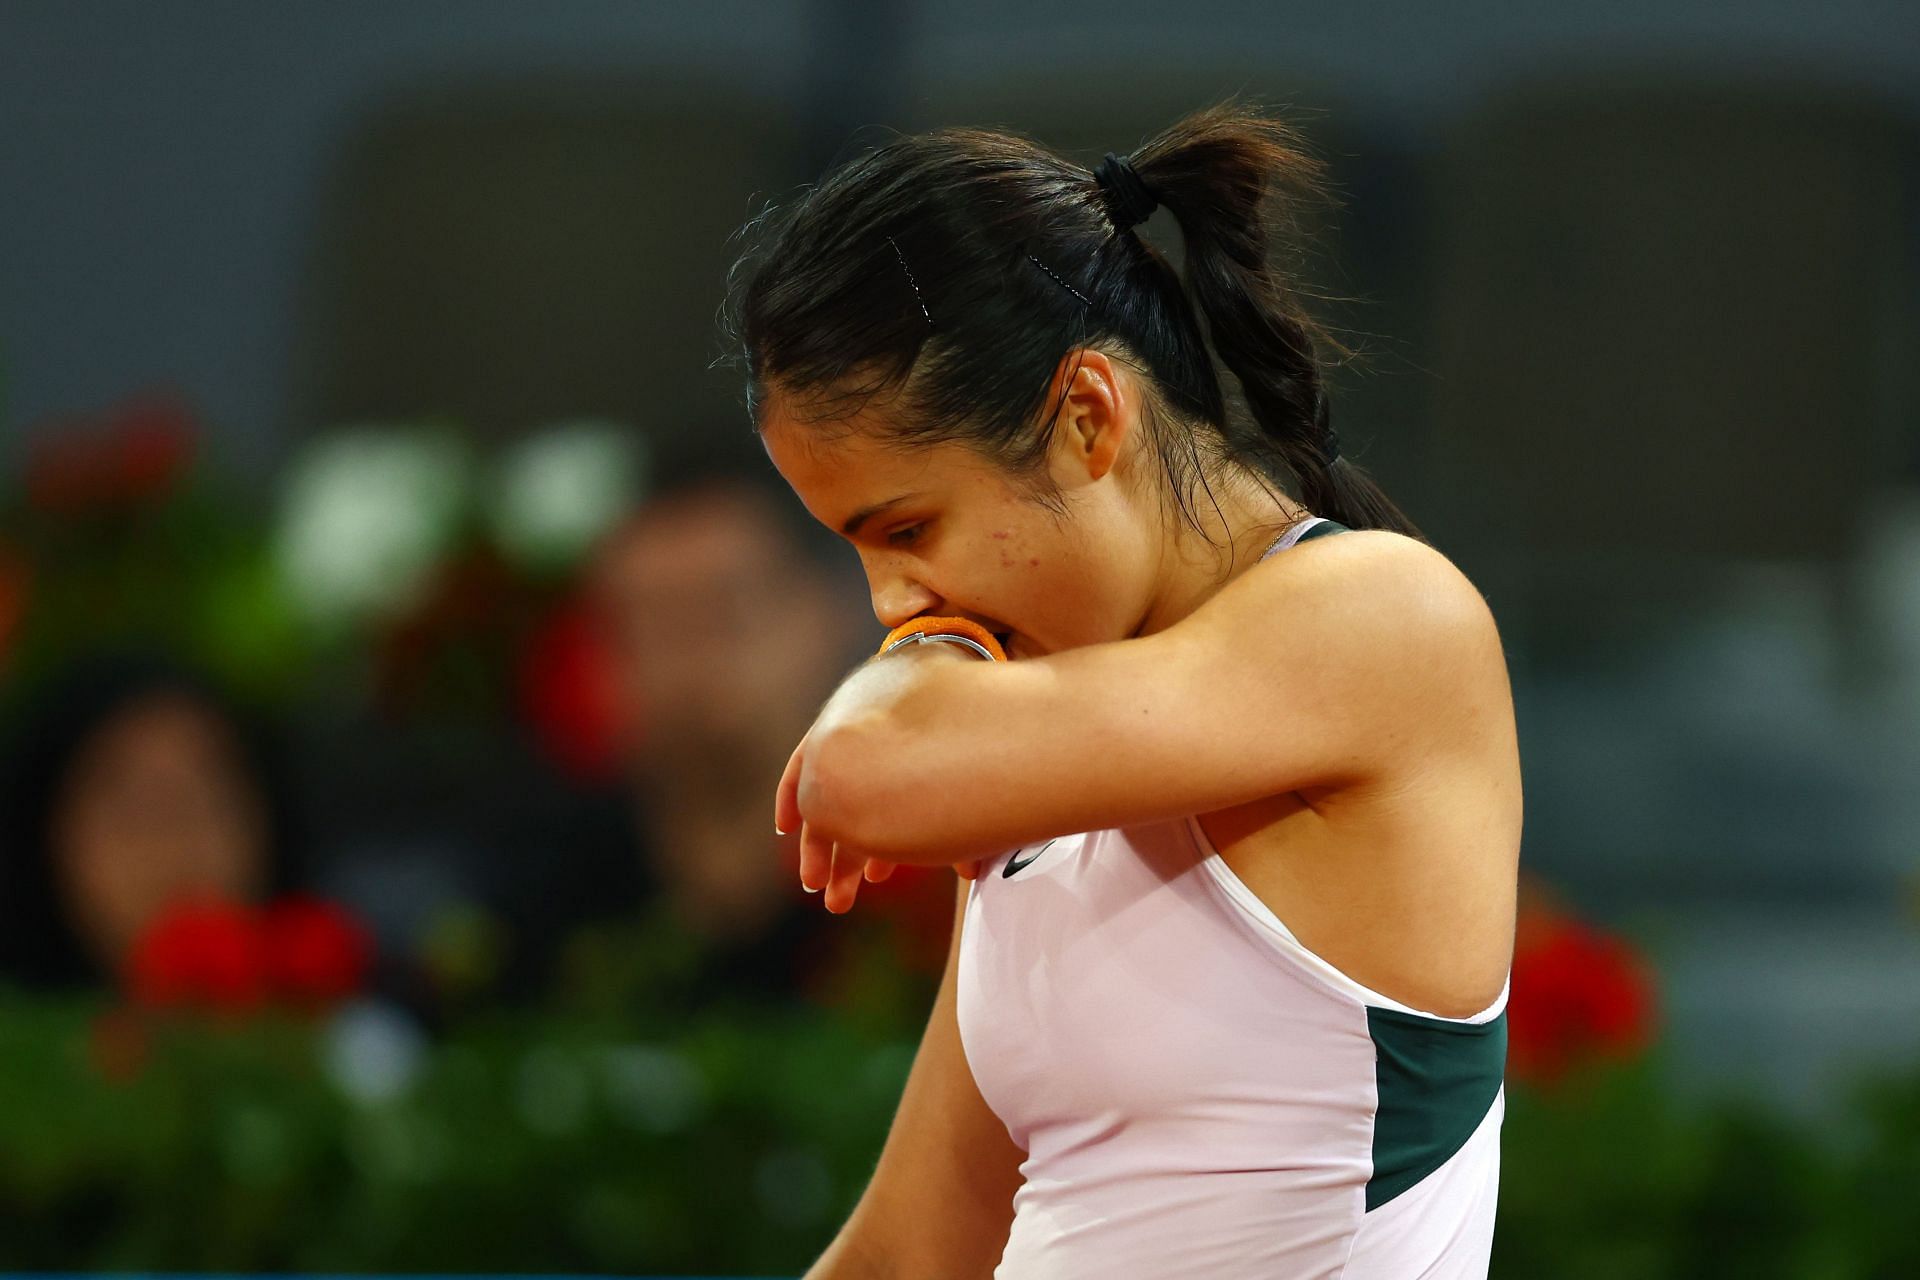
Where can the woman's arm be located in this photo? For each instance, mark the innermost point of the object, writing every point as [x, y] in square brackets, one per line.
[941, 1199]
[1344, 661]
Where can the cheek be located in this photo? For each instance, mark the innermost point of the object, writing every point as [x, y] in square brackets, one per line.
[1042, 585]
[1022, 555]
[1007, 547]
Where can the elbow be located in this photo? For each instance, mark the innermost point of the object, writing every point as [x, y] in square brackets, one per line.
[843, 785]
[864, 786]
[875, 781]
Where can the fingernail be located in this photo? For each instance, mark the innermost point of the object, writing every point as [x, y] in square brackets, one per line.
[777, 831]
[809, 888]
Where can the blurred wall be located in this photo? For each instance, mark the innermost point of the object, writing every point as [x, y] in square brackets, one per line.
[162, 165]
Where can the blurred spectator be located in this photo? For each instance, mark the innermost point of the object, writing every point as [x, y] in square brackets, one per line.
[133, 784]
[722, 635]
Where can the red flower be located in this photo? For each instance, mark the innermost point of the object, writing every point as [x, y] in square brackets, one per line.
[205, 953]
[223, 956]
[135, 451]
[153, 439]
[316, 953]
[1578, 996]
[568, 693]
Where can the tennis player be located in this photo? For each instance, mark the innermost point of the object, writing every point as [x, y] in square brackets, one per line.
[1223, 748]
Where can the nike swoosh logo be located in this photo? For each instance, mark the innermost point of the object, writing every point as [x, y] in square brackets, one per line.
[1015, 865]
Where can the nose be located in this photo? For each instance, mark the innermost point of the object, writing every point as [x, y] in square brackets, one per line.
[897, 595]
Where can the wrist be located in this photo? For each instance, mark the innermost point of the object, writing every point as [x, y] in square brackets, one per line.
[934, 642]
[962, 634]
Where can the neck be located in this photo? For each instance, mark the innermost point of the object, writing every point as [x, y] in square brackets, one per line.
[1197, 563]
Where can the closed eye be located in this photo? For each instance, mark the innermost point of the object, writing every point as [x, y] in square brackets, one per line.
[904, 537]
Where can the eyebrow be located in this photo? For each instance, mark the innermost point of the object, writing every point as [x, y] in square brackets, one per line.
[864, 514]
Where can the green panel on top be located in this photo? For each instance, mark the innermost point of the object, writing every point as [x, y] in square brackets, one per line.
[1436, 1081]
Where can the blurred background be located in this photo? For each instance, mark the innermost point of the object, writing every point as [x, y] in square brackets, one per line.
[390, 716]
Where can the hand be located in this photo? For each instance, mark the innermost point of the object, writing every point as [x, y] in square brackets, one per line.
[835, 867]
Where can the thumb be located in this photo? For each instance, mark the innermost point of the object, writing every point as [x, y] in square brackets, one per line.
[786, 796]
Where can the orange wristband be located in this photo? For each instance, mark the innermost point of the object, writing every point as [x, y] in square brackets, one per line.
[965, 627]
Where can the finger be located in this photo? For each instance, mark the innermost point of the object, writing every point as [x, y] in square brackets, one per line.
[969, 870]
[816, 859]
[844, 883]
[879, 869]
[786, 796]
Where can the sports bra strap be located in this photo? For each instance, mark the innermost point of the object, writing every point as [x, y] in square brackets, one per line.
[1319, 530]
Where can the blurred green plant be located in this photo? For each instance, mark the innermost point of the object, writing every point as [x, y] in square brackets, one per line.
[517, 1143]
[739, 1140]
[619, 1132]
[393, 570]
[1606, 1175]
[115, 534]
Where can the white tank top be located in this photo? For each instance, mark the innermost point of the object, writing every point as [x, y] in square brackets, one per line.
[1198, 1094]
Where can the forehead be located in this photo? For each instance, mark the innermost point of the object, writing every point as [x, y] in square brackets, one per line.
[838, 469]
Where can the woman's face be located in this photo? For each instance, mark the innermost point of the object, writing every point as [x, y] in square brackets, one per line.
[156, 807]
[942, 531]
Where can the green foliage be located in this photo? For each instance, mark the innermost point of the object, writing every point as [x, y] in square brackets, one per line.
[190, 575]
[1608, 1176]
[1881, 1183]
[741, 1140]
[520, 1145]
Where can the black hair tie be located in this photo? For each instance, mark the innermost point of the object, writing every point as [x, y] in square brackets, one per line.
[1129, 198]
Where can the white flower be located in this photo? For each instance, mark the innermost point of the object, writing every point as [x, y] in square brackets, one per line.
[374, 1050]
[560, 489]
[367, 513]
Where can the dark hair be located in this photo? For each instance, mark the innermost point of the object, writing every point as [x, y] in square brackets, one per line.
[39, 945]
[952, 271]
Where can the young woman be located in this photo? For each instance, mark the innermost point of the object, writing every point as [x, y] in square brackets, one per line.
[1239, 814]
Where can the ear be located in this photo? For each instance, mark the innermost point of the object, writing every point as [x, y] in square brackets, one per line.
[1098, 415]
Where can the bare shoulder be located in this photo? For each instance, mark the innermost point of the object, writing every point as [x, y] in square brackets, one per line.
[1392, 569]
[1371, 584]
[1385, 627]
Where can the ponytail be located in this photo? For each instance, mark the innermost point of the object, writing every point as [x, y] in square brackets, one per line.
[954, 270]
[1215, 172]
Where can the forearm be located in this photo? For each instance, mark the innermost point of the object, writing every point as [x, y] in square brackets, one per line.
[849, 1258]
[884, 683]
